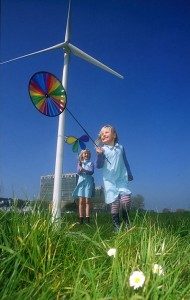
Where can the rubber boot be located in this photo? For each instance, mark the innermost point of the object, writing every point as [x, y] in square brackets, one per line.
[125, 218]
[88, 220]
[116, 222]
[81, 220]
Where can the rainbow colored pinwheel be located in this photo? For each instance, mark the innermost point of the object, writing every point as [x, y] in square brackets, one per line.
[77, 141]
[47, 94]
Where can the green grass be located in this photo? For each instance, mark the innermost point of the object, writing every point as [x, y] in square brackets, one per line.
[40, 260]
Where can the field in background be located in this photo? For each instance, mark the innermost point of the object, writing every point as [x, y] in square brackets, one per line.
[43, 260]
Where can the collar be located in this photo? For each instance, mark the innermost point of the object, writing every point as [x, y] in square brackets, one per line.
[111, 147]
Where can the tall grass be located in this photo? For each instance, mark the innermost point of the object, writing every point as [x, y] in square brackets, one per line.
[40, 260]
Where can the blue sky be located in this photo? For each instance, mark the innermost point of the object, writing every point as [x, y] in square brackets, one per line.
[145, 41]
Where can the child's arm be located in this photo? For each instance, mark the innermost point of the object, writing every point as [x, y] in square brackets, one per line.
[79, 168]
[90, 170]
[100, 158]
[130, 176]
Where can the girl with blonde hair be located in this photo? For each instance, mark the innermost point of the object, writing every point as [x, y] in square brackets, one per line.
[85, 185]
[112, 159]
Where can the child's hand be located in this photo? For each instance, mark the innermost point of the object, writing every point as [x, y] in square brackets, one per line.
[130, 177]
[99, 150]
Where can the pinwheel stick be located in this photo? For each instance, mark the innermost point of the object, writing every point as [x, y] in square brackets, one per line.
[84, 130]
[81, 126]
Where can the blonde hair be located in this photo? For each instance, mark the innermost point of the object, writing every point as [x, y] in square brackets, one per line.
[80, 158]
[98, 141]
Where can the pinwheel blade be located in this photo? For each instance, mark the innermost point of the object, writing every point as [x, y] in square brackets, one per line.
[82, 145]
[84, 138]
[70, 140]
[75, 146]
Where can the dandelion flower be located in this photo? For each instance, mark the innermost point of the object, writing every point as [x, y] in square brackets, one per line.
[157, 269]
[136, 279]
[111, 252]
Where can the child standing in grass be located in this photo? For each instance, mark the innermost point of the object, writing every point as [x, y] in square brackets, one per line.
[116, 174]
[85, 186]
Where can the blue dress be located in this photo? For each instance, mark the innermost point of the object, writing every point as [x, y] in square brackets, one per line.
[116, 170]
[85, 184]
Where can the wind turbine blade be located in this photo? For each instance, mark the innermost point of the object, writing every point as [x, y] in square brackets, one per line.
[76, 51]
[68, 27]
[61, 45]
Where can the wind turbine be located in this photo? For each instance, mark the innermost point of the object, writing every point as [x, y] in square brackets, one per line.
[68, 49]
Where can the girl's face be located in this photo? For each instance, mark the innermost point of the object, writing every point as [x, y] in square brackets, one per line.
[85, 155]
[107, 136]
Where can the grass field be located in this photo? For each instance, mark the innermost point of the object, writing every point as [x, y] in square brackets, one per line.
[42, 260]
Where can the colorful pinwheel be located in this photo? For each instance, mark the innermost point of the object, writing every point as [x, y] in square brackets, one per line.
[47, 94]
[77, 141]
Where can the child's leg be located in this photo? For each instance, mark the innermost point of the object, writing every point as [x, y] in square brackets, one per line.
[125, 207]
[81, 209]
[115, 214]
[87, 210]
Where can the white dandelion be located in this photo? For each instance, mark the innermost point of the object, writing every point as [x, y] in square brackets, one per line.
[112, 252]
[137, 279]
[157, 269]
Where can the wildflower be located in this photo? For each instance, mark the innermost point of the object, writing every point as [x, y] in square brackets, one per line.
[111, 252]
[136, 279]
[157, 269]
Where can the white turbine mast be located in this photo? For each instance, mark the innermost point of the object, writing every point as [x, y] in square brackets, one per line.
[68, 48]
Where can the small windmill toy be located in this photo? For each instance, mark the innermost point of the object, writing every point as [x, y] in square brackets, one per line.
[77, 142]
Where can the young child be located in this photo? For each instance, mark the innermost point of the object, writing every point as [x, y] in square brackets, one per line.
[85, 184]
[116, 174]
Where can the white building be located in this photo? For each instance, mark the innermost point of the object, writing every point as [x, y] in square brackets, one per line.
[69, 182]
